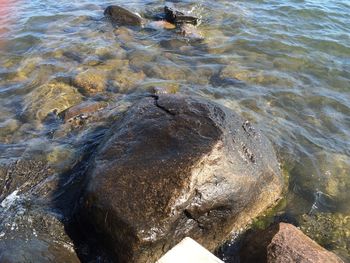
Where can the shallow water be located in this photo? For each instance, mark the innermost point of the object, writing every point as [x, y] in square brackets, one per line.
[284, 65]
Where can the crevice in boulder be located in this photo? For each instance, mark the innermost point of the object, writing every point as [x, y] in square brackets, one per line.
[156, 98]
[188, 215]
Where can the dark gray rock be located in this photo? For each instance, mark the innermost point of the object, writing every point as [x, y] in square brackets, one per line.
[173, 167]
[30, 229]
[22, 175]
[35, 250]
[123, 16]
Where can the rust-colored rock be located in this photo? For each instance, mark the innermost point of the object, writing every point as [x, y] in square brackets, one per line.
[85, 108]
[284, 243]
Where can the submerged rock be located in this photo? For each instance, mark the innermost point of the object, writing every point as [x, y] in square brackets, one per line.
[33, 236]
[174, 167]
[84, 109]
[113, 73]
[282, 243]
[161, 24]
[331, 230]
[22, 176]
[191, 32]
[123, 16]
[29, 230]
[327, 181]
[36, 250]
[91, 81]
[166, 89]
[52, 97]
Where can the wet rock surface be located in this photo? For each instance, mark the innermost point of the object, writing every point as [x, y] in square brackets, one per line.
[114, 74]
[123, 16]
[173, 167]
[330, 230]
[22, 176]
[191, 32]
[52, 97]
[283, 243]
[91, 81]
[84, 109]
[33, 236]
[30, 230]
[35, 250]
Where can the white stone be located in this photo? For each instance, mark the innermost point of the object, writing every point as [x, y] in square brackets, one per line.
[188, 251]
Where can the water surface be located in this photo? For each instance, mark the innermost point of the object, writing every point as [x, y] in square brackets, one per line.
[284, 65]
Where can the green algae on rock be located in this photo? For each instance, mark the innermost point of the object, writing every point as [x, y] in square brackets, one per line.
[331, 230]
[52, 97]
[91, 81]
[113, 73]
[328, 180]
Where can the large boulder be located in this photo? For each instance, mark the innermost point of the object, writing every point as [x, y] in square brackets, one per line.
[173, 167]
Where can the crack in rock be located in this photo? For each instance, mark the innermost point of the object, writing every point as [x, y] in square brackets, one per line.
[156, 98]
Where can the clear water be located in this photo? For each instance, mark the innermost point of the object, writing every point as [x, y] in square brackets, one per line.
[284, 65]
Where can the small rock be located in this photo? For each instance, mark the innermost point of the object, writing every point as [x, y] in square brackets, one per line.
[162, 24]
[283, 243]
[166, 89]
[8, 127]
[176, 17]
[90, 81]
[52, 97]
[191, 32]
[331, 230]
[84, 108]
[123, 16]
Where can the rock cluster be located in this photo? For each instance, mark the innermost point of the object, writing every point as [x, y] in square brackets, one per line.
[172, 166]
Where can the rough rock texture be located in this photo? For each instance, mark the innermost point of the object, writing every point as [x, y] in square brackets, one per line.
[123, 16]
[52, 97]
[174, 167]
[112, 73]
[29, 230]
[330, 230]
[91, 81]
[191, 32]
[33, 236]
[330, 174]
[22, 176]
[282, 243]
[35, 250]
[83, 109]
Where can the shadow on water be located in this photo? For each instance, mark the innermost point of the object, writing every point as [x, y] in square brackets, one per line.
[66, 199]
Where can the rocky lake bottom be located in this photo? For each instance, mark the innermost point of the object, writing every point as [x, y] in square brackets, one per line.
[67, 75]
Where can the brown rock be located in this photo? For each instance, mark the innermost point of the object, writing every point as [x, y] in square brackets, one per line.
[51, 97]
[123, 16]
[91, 81]
[85, 108]
[173, 167]
[284, 243]
[162, 24]
[191, 31]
